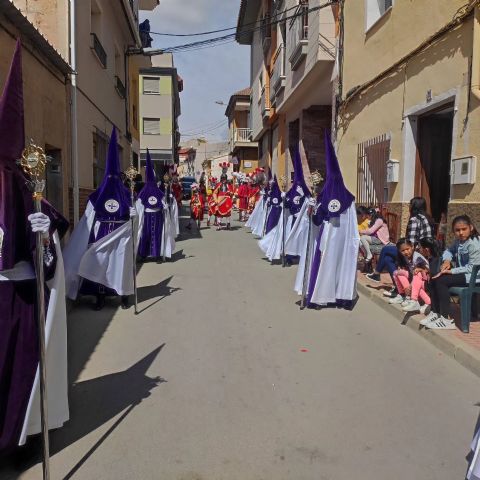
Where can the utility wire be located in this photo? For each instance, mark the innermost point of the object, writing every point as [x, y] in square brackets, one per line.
[211, 42]
[216, 31]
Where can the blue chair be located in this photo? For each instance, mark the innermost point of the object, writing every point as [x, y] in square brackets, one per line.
[465, 295]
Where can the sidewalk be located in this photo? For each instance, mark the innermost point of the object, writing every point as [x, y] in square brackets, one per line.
[463, 347]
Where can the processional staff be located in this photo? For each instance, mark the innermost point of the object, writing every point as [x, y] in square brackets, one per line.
[33, 163]
[131, 174]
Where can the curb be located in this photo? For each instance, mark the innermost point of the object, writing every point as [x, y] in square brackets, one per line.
[464, 354]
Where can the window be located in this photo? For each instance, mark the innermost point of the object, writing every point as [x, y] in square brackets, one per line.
[374, 10]
[100, 144]
[151, 126]
[151, 85]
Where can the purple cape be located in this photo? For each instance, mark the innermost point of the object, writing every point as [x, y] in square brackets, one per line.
[275, 203]
[151, 197]
[18, 338]
[299, 190]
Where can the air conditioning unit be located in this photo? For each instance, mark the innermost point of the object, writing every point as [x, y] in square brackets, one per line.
[464, 170]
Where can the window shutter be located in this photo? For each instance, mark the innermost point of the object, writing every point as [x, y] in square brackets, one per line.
[151, 126]
[151, 85]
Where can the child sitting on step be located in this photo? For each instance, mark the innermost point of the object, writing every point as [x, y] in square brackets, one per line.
[410, 278]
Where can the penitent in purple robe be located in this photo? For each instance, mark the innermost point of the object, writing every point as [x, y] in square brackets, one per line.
[275, 203]
[18, 337]
[152, 199]
[111, 203]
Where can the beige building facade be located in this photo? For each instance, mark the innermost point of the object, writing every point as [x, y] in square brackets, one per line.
[408, 122]
[160, 88]
[46, 97]
[292, 59]
[243, 150]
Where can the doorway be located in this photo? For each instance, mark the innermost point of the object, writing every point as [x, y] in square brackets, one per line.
[432, 170]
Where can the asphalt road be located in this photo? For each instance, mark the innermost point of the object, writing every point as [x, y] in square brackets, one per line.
[222, 377]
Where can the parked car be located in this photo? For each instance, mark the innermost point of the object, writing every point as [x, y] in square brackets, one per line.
[187, 186]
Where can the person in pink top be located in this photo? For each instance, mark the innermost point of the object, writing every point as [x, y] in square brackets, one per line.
[376, 234]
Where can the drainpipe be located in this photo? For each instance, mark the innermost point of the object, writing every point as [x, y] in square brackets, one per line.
[475, 82]
[73, 113]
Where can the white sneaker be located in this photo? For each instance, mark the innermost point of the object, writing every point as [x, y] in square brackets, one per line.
[442, 323]
[397, 300]
[431, 317]
[411, 306]
[425, 309]
[405, 302]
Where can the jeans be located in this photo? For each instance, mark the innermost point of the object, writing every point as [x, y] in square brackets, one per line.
[387, 260]
[439, 291]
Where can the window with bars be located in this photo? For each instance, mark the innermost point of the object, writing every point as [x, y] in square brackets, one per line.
[373, 155]
[151, 85]
[151, 126]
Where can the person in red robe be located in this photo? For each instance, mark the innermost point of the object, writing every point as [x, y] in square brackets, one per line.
[242, 195]
[212, 205]
[253, 195]
[177, 190]
[197, 206]
[223, 195]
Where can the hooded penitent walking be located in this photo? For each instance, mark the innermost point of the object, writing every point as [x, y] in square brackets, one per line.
[19, 341]
[332, 271]
[157, 236]
[293, 201]
[99, 256]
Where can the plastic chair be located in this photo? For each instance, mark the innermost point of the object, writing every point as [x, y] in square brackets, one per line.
[465, 295]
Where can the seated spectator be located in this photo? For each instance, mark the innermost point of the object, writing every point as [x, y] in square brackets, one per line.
[362, 218]
[410, 278]
[419, 226]
[464, 253]
[375, 235]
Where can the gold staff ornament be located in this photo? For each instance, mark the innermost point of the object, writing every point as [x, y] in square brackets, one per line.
[33, 162]
[283, 182]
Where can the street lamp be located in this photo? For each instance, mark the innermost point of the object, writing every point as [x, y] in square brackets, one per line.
[220, 102]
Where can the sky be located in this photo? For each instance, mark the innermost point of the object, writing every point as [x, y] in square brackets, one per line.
[209, 75]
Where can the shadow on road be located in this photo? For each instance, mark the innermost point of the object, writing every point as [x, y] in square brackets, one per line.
[158, 291]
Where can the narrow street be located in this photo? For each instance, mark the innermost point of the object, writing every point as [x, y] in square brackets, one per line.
[210, 382]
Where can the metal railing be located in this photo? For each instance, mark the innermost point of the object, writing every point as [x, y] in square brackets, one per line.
[120, 87]
[298, 33]
[278, 74]
[97, 48]
[265, 101]
[242, 135]
[372, 157]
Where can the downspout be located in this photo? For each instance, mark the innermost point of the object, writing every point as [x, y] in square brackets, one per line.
[73, 113]
[475, 82]
[127, 109]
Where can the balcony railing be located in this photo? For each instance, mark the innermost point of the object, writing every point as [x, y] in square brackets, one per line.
[120, 87]
[243, 135]
[98, 50]
[266, 31]
[298, 37]
[265, 102]
[277, 81]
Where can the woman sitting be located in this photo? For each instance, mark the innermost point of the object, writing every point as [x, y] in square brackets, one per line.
[376, 234]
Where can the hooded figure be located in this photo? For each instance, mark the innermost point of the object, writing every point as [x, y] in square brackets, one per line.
[19, 353]
[99, 256]
[295, 201]
[275, 200]
[257, 221]
[333, 267]
[157, 237]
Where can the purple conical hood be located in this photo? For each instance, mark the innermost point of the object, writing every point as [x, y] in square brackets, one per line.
[149, 171]
[335, 198]
[112, 198]
[151, 195]
[299, 183]
[12, 130]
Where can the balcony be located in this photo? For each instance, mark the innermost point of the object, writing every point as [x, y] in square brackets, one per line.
[265, 102]
[98, 50]
[241, 137]
[120, 87]
[266, 32]
[278, 79]
[298, 37]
